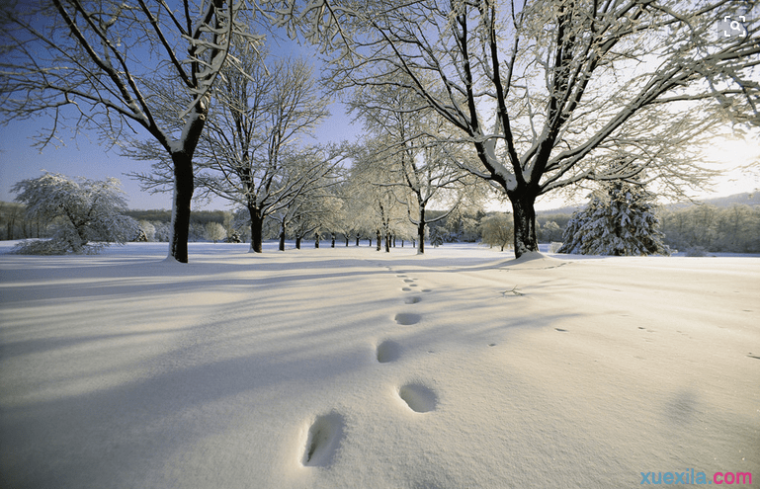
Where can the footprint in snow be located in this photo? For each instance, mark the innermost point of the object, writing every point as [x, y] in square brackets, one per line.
[561, 330]
[406, 289]
[407, 319]
[388, 351]
[323, 440]
[412, 299]
[419, 398]
[409, 280]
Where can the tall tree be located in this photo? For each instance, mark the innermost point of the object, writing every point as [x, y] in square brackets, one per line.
[373, 170]
[547, 92]
[253, 152]
[256, 141]
[110, 62]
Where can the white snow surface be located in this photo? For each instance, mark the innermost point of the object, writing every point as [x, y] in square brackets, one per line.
[352, 368]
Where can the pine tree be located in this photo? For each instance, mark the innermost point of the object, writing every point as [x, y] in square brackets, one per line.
[618, 221]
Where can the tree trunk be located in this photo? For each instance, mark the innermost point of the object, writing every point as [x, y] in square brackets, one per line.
[387, 242]
[282, 236]
[523, 209]
[379, 240]
[183, 196]
[257, 226]
[421, 231]
[316, 240]
[332, 244]
[357, 239]
[298, 242]
[184, 184]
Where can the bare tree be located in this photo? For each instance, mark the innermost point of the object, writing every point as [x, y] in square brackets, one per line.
[407, 157]
[109, 62]
[256, 140]
[252, 152]
[497, 230]
[310, 213]
[550, 92]
[371, 172]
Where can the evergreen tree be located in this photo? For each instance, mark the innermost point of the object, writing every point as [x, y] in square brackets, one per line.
[436, 238]
[618, 221]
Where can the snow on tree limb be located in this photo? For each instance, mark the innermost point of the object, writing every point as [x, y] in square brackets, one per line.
[114, 61]
[86, 213]
[578, 78]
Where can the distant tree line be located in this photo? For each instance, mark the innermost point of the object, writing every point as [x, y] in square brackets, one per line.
[694, 229]
[734, 229]
[16, 223]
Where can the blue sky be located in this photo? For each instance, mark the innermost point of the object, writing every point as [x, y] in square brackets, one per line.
[85, 156]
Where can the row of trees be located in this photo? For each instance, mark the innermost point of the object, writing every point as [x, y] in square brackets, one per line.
[81, 215]
[734, 229]
[528, 98]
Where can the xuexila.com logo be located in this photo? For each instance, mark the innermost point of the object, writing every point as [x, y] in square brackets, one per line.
[691, 476]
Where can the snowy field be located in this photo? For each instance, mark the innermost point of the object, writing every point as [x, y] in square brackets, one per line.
[351, 368]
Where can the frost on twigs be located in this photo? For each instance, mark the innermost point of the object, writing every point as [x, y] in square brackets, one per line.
[62, 243]
[85, 214]
[617, 90]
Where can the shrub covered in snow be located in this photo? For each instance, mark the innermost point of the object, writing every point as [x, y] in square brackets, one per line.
[146, 231]
[618, 221]
[697, 252]
[215, 232]
[86, 213]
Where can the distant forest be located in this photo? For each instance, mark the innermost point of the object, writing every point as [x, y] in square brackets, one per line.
[726, 224]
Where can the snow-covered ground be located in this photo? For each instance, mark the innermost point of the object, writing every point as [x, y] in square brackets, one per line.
[351, 368]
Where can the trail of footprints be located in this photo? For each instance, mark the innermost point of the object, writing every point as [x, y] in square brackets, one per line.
[326, 431]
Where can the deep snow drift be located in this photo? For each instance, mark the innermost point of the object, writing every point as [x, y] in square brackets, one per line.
[351, 368]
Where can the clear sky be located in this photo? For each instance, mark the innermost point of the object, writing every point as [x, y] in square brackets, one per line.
[84, 156]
